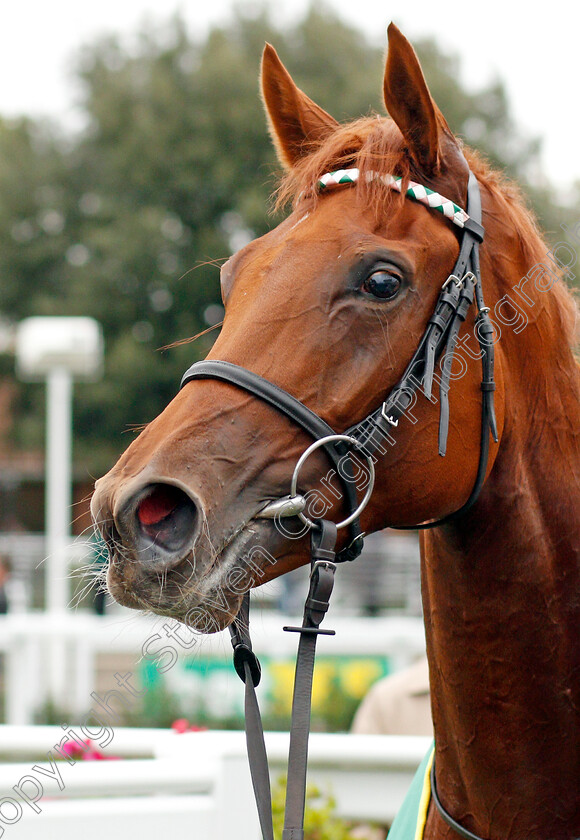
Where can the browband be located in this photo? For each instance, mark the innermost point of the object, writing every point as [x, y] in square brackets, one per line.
[418, 192]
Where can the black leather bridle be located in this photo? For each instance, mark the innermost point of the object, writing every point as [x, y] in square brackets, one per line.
[453, 303]
[367, 436]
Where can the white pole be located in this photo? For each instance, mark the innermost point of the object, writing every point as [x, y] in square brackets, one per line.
[58, 518]
[58, 486]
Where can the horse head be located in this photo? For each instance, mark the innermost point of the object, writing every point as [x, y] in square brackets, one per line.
[330, 306]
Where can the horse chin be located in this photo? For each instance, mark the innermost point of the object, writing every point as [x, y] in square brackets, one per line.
[207, 601]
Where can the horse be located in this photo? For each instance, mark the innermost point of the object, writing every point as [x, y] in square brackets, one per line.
[329, 307]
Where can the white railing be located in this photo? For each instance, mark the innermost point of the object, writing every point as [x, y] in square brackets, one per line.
[196, 785]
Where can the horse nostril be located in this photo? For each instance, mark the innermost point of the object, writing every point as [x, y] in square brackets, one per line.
[166, 518]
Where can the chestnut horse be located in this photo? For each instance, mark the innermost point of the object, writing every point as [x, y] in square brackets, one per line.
[330, 306]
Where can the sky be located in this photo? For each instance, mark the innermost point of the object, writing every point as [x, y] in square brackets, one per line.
[535, 53]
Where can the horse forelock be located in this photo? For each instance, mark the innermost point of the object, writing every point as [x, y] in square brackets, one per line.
[369, 144]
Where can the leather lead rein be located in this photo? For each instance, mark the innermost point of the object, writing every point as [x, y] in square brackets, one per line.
[323, 541]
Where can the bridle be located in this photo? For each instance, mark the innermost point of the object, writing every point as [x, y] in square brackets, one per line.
[367, 438]
[369, 434]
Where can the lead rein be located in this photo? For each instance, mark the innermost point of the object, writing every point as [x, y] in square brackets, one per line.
[323, 567]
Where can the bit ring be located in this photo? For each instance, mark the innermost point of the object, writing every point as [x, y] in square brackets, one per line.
[306, 454]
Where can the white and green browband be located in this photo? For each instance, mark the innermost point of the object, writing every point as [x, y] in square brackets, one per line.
[417, 192]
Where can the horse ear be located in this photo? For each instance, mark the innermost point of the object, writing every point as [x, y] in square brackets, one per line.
[296, 122]
[410, 104]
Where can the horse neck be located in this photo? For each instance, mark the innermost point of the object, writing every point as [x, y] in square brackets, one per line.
[502, 613]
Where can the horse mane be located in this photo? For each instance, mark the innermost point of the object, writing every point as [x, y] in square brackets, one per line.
[375, 144]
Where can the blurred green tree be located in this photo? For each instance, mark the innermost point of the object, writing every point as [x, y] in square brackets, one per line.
[128, 221]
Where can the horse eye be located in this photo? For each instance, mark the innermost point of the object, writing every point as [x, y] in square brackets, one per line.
[382, 285]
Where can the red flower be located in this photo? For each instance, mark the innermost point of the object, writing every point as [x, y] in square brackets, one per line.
[88, 752]
[182, 725]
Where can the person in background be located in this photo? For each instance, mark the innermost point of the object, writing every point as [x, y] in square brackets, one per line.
[5, 573]
[398, 704]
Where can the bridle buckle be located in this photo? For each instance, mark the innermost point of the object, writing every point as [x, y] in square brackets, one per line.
[391, 420]
[469, 275]
[453, 278]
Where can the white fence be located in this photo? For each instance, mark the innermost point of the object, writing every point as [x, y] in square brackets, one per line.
[37, 646]
[196, 785]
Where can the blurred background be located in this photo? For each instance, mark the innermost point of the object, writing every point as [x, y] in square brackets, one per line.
[134, 158]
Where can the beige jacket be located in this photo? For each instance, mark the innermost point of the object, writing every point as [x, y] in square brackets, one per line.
[397, 705]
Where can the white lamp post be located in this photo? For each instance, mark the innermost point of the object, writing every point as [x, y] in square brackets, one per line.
[58, 350]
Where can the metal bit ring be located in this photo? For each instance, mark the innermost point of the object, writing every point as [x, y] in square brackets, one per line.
[306, 454]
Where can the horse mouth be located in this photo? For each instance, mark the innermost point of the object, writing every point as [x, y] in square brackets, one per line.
[205, 587]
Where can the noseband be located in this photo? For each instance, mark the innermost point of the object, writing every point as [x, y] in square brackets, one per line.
[366, 437]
